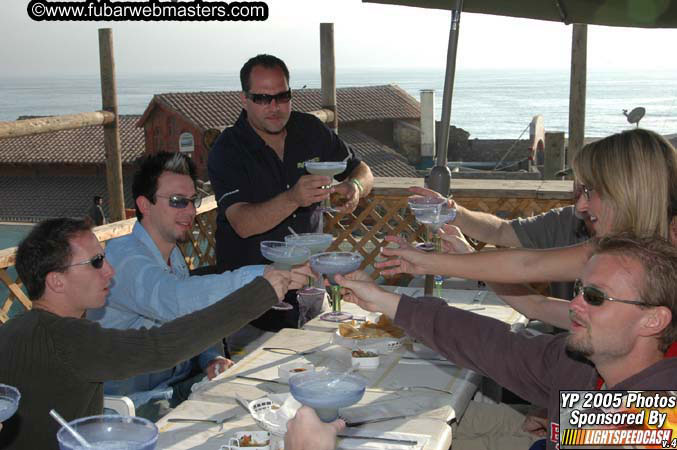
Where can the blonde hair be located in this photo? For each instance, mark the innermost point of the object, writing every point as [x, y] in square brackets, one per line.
[635, 172]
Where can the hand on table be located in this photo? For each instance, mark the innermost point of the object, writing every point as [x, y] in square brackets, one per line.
[350, 196]
[359, 288]
[278, 279]
[218, 365]
[307, 432]
[308, 190]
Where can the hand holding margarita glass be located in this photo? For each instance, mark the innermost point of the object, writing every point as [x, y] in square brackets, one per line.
[284, 257]
[330, 264]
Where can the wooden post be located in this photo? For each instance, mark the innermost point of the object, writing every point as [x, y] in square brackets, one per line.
[328, 71]
[427, 127]
[554, 155]
[537, 140]
[579, 44]
[111, 131]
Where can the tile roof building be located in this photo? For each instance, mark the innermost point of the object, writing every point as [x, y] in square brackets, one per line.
[57, 174]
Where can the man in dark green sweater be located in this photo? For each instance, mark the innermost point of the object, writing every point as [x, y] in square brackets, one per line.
[59, 360]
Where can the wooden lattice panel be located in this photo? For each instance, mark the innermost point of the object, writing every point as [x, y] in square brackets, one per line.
[364, 230]
[200, 250]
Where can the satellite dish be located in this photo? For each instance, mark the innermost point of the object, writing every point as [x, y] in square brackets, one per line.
[635, 115]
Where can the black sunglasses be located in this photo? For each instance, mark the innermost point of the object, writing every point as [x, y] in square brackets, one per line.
[180, 202]
[595, 297]
[266, 99]
[581, 189]
[96, 262]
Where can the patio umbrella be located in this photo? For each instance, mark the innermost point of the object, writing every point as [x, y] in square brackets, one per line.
[623, 13]
[619, 13]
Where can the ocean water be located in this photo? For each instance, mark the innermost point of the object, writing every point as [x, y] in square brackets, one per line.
[489, 104]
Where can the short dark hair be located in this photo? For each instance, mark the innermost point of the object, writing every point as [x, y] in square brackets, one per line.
[46, 249]
[267, 61]
[659, 259]
[97, 198]
[150, 169]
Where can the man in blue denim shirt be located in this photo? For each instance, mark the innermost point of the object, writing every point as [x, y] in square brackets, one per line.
[152, 283]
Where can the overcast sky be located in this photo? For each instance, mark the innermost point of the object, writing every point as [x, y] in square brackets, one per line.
[366, 36]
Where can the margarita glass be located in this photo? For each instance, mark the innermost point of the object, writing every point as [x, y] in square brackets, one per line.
[330, 264]
[327, 169]
[9, 401]
[110, 432]
[326, 392]
[284, 257]
[433, 213]
[316, 243]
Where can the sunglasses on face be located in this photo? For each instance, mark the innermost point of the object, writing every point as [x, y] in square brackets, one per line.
[96, 262]
[180, 201]
[595, 297]
[266, 99]
[581, 189]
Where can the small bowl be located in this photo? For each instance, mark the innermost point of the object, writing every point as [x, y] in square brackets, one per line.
[287, 370]
[365, 362]
[262, 437]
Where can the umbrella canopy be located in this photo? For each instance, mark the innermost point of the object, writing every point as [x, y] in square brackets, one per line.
[618, 13]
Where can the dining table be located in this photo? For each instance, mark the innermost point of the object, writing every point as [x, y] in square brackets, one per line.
[420, 390]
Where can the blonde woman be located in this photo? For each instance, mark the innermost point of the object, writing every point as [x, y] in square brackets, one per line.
[629, 184]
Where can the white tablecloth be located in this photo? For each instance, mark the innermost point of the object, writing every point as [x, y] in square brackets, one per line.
[401, 385]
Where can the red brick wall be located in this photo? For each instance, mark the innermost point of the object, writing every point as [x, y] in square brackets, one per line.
[162, 130]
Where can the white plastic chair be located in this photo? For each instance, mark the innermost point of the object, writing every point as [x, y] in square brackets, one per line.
[120, 404]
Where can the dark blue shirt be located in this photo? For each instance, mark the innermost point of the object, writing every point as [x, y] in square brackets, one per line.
[240, 160]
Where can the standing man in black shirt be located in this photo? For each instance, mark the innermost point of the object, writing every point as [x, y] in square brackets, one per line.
[257, 171]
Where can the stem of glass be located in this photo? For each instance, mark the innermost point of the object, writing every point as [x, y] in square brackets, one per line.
[335, 292]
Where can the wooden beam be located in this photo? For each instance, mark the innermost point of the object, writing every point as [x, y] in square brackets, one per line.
[577, 85]
[554, 155]
[111, 131]
[40, 125]
[328, 71]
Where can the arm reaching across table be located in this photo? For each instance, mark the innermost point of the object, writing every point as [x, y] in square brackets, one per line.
[501, 266]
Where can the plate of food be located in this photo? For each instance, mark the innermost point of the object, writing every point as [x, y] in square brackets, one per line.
[380, 337]
[253, 440]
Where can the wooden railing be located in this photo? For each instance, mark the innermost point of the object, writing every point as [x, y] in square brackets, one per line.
[383, 213]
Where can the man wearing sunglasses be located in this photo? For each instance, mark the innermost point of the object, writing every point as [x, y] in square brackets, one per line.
[59, 360]
[257, 171]
[153, 286]
[623, 321]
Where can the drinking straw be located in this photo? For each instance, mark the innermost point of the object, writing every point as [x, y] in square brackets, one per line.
[78, 437]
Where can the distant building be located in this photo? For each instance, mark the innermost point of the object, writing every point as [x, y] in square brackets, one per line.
[375, 120]
[57, 174]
